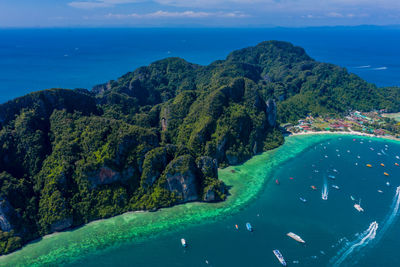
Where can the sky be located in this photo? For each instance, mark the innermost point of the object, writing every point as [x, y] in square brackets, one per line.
[197, 13]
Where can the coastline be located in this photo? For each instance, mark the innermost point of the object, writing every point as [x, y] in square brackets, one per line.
[351, 132]
[246, 183]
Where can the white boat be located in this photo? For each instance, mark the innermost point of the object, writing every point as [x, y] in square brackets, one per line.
[387, 183]
[352, 198]
[336, 187]
[380, 191]
[303, 199]
[358, 207]
[183, 242]
[279, 256]
[295, 237]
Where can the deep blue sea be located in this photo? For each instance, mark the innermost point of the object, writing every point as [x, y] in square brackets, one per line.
[35, 59]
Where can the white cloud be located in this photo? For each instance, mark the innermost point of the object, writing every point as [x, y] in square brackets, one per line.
[334, 15]
[100, 3]
[183, 14]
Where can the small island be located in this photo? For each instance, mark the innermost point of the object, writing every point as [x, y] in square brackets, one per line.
[155, 137]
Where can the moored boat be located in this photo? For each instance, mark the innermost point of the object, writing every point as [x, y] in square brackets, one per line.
[295, 237]
[335, 186]
[358, 207]
[386, 174]
[183, 242]
[249, 228]
[277, 181]
[332, 177]
[279, 256]
[303, 199]
[313, 187]
[369, 165]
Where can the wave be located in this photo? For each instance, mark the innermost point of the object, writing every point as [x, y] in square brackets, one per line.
[380, 68]
[363, 67]
[363, 240]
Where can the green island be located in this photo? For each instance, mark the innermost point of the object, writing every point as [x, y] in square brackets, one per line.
[156, 136]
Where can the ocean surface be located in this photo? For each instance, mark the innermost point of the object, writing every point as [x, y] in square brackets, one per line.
[336, 234]
[36, 59]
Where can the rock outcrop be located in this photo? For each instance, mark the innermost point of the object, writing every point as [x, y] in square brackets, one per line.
[106, 175]
[61, 225]
[180, 175]
[5, 212]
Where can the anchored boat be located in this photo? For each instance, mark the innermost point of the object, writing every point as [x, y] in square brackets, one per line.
[295, 237]
[183, 242]
[279, 256]
[303, 199]
[249, 228]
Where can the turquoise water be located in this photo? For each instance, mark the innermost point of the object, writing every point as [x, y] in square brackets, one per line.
[332, 226]
[36, 59]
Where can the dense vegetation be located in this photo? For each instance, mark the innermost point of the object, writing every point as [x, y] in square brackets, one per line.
[155, 136]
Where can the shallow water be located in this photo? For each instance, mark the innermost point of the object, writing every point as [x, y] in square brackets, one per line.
[152, 239]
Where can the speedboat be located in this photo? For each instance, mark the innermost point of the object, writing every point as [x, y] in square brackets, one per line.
[183, 242]
[236, 226]
[396, 164]
[279, 256]
[249, 228]
[335, 186]
[295, 237]
[380, 191]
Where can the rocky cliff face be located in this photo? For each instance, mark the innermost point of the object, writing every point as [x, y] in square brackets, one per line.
[106, 175]
[61, 225]
[181, 175]
[271, 112]
[5, 212]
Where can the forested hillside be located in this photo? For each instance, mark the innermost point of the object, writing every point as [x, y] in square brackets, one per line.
[156, 136]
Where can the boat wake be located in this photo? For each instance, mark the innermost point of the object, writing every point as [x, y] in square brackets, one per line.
[380, 68]
[388, 221]
[363, 240]
[324, 193]
[363, 67]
